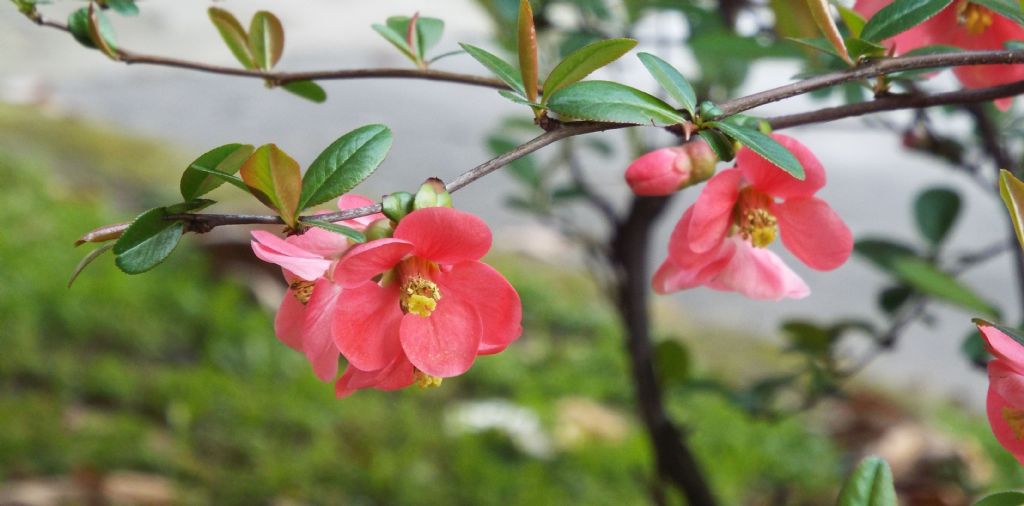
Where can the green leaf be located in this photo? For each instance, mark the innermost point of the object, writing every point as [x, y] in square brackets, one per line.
[266, 39]
[504, 70]
[818, 44]
[428, 31]
[123, 7]
[763, 145]
[308, 90]
[904, 265]
[147, 241]
[936, 210]
[349, 232]
[227, 178]
[344, 164]
[233, 34]
[893, 298]
[853, 19]
[526, 41]
[614, 102]
[274, 178]
[226, 159]
[671, 81]
[80, 28]
[1011, 190]
[900, 16]
[583, 62]
[672, 362]
[518, 99]
[1006, 8]
[720, 144]
[869, 485]
[1009, 498]
[396, 39]
[863, 48]
[93, 255]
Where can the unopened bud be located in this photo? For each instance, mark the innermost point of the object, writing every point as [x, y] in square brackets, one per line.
[432, 194]
[379, 229]
[660, 172]
[397, 205]
[702, 160]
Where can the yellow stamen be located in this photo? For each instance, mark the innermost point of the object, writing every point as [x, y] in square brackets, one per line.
[302, 290]
[753, 221]
[419, 296]
[973, 17]
[1015, 419]
[424, 380]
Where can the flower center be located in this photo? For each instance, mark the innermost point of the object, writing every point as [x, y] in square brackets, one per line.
[419, 296]
[752, 219]
[424, 380]
[973, 17]
[1015, 419]
[302, 290]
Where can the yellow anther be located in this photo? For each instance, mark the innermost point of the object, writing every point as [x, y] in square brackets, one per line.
[973, 17]
[1015, 419]
[424, 380]
[302, 290]
[419, 296]
[758, 226]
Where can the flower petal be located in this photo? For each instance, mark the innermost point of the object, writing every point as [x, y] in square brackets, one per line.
[813, 232]
[1006, 416]
[672, 277]
[364, 261]
[493, 298]
[323, 243]
[365, 326]
[1003, 347]
[659, 172]
[767, 177]
[318, 344]
[445, 343]
[759, 274]
[304, 264]
[445, 235]
[712, 212]
[398, 374]
[288, 323]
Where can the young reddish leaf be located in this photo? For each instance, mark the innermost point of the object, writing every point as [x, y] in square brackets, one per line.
[823, 18]
[581, 62]
[102, 234]
[396, 39]
[233, 34]
[266, 39]
[428, 31]
[1011, 190]
[412, 37]
[274, 178]
[528, 50]
[227, 159]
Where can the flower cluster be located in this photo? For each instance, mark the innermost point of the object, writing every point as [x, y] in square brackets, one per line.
[414, 307]
[966, 25]
[720, 241]
[1005, 405]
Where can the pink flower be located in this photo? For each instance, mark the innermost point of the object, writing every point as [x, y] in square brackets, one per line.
[303, 321]
[667, 170]
[1005, 404]
[719, 242]
[436, 305]
[968, 26]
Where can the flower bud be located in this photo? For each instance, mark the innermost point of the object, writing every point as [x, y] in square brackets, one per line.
[379, 229]
[397, 205]
[702, 160]
[660, 172]
[432, 193]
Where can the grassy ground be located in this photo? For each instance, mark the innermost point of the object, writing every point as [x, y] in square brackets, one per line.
[176, 372]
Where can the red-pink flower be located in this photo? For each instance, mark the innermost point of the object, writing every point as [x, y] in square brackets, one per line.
[436, 304]
[303, 320]
[667, 170]
[966, 25]
[719, 242]
[1005, 404]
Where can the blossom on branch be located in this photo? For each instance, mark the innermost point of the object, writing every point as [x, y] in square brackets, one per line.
[966, 25]
[307, 260]
[1005, 404]
[420, 305]
[720, 241]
